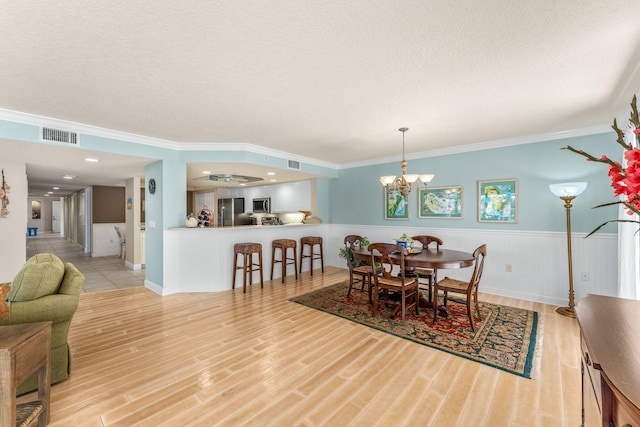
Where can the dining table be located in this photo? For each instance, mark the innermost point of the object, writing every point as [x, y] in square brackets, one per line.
[437, 259]
[427, 258]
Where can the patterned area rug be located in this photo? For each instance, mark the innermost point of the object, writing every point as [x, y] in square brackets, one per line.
[504, 339]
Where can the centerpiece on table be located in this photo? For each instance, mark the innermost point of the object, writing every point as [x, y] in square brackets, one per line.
[408, 243]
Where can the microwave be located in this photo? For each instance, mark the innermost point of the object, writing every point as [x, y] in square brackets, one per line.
[262, 205]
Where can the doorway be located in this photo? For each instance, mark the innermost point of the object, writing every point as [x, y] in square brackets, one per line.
[56, 210]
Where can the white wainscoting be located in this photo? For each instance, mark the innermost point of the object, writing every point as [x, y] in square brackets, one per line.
[538, 259]
[201, 259]
[105, 239]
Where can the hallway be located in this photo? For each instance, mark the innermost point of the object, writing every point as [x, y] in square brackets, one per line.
[101, 273]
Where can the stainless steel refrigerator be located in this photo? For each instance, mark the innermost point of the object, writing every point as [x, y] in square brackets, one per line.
[231, 212]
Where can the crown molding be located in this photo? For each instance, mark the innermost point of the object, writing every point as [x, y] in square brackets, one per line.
[36, 120]
[252, 148]
[487, 145]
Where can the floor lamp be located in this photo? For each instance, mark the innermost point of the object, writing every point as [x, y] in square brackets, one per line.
[568, 191]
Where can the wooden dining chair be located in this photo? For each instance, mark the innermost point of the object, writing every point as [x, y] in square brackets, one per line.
[364, 271]
[429, 274]
[385, 283]
[469, 289]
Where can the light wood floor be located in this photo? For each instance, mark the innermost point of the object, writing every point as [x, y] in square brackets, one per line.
[230, 359]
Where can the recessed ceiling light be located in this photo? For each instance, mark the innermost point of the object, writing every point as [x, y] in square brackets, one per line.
[56, 188]
[49, 192]
[69, 176]
[273, 180]
[89, 159]
[271, 173]
[46, 195]
[242, 184]
[206, 172]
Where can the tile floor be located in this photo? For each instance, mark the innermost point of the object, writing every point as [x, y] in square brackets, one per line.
[101, 273]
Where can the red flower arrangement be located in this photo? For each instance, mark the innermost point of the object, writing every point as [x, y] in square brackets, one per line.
[624, 180]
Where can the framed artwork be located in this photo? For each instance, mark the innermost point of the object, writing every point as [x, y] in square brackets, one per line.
[35, 209]
[440, 202]
[498, 201]
[396, 206]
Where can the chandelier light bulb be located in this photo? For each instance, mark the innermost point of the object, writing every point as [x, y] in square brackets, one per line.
[388, 179]
[411, 178]
[404, 183]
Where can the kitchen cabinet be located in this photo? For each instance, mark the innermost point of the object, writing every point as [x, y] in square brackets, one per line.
[285, 197]
[204, 200]
[610, 350]
[291, 197]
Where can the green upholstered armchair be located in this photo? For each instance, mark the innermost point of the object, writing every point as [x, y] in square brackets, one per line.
[46, 289]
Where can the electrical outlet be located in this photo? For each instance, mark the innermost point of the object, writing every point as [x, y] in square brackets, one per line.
[508, 268]
[584, 276]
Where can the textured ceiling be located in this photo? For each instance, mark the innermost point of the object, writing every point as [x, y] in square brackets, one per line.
[328, 80]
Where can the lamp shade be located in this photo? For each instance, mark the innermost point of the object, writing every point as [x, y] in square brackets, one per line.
[568, 188]
[387, 180]
[426, 178]
[411, 178]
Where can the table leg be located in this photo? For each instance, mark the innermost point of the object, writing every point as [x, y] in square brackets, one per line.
[44, 386]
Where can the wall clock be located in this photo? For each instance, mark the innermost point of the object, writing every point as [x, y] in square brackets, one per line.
[152, 186]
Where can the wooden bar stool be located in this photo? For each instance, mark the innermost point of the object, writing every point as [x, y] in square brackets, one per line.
[283, 245]
[247, 250]
[311, 241]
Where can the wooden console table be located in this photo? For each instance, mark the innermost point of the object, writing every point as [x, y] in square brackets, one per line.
[24, 349]
[610, 346]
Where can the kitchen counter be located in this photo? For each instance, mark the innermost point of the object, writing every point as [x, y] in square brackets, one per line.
[241, 227]
[201, 259]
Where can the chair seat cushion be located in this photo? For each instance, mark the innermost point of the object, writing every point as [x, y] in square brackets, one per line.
[453, 285]
[424, 272]
[363, 269]
[395, 282]
[41, 275]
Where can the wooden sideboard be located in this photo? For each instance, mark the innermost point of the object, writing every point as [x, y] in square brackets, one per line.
[610, 346]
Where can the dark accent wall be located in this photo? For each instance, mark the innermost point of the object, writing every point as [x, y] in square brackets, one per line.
[190, 202]
[142, 206]
[108, 204]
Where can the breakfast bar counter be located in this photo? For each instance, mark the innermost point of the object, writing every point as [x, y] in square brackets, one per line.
[201, 259]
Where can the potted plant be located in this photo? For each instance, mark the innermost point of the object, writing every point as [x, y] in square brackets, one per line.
[343, 251]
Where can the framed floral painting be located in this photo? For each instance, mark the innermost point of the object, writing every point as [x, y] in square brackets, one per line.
[440, 202]
[498, 201]
[396, 206]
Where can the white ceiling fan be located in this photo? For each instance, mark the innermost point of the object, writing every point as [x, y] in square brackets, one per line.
[228, 178]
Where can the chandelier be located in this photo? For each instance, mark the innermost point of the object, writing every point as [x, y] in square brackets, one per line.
[404, 183]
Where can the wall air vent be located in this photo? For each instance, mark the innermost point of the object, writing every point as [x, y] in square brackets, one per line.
[58, 135]
[293, 164]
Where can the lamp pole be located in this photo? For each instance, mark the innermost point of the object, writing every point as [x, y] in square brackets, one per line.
[568, 311]
[567, 192]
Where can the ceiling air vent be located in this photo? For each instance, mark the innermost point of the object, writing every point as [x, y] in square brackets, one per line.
[294, 165]
[58, 135]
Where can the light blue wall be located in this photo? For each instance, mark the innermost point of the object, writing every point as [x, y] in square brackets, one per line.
[167, 207]
[154, 249]
[356, 197]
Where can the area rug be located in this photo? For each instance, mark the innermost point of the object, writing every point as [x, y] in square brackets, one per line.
[504, 339]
